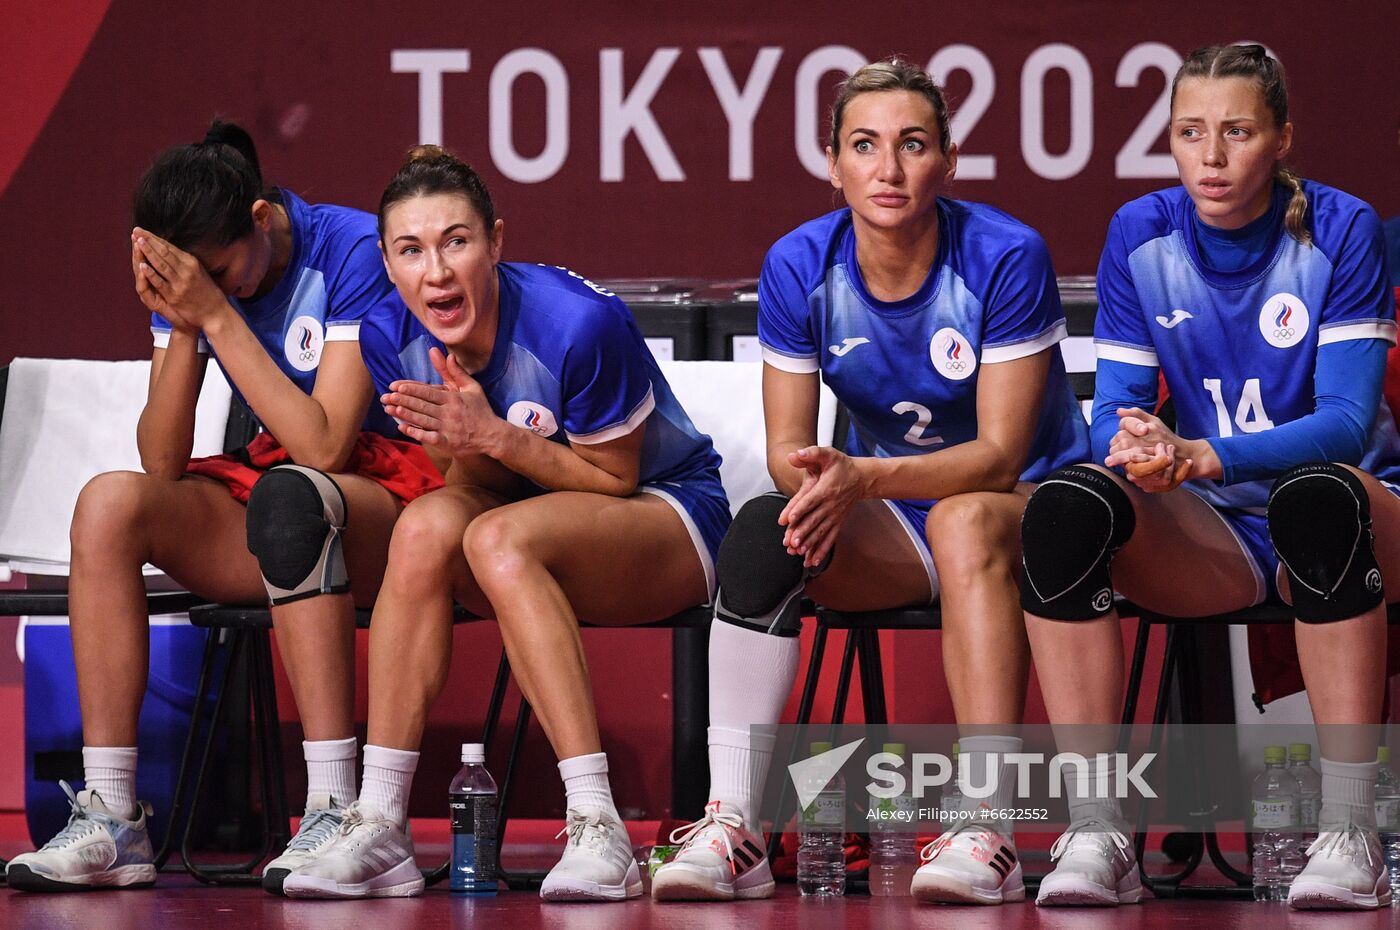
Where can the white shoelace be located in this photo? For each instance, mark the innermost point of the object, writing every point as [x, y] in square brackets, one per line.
[1101, 838]
[683, 835]
[1339, 842]
[79, 823]
[589, 830]
[316, 828]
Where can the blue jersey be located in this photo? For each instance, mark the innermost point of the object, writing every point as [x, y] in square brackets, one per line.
[569, 364]
[1253, 349]
[334, 276]
[907, 370]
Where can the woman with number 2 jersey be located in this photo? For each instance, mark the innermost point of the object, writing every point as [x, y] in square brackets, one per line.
[1263, 299]
[936, 323]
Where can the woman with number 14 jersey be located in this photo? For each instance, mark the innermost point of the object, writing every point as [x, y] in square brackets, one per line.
[1263, 300]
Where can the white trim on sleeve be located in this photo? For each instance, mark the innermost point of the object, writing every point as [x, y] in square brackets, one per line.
[1009, 351]
[1130, 355]
[796, 366]
[343, 331]
[617, 431]
[1365, 329]
[160, 339]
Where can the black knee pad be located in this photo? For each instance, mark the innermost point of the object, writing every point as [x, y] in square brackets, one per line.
[760, 585]
[295, 518]
[1320, 523]
[1073, 524]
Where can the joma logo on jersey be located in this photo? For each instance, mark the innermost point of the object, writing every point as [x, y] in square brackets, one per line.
[303, 343]
[1283, 321]
[952, 354]
[847, 345]
[534, 417]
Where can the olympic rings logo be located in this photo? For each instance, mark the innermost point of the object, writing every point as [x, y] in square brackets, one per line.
[308, 355]
[955, 366]
[1284, 333]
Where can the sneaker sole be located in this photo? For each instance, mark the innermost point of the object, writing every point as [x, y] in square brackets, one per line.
[936, 888]
[574, 889]
[1317, 896]
[395, 883]
[1081, 893]
[21, 877]
[679, 882]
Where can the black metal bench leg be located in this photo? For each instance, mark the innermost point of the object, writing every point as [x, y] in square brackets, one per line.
[212, 646]
[1135, 673]
[522, 725]
[804, 717]
[872, 678]
[843, 684]
[1164, 886]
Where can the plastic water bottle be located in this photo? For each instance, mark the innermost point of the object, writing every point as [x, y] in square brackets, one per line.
[472, 797]
[951, 802]
[893, 853]
[1274, 821]
[1388, 813]
[821, 857]
[1309, 791]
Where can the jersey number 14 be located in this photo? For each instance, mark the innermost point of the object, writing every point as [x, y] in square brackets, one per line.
[1250, 416]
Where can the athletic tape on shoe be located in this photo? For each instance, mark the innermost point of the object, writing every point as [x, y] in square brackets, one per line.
[296, 516]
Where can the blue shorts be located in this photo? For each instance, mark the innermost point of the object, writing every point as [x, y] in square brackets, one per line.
[913, 515]
[702, 505]
[1251, 531]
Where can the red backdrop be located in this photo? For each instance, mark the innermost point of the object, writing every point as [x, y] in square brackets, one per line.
[1058, 102]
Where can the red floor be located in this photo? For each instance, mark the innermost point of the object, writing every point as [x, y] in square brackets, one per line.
[179, 902]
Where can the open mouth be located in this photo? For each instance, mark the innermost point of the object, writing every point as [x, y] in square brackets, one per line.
[447, 309]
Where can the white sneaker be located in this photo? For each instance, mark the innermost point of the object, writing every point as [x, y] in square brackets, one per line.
[97, 849]
[971, 864]
[597, 864]
[319, 825]
[719, 860]
[1094, 865]
[1345, 871]
[369, 857]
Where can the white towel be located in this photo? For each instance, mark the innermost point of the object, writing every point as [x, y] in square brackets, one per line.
[66, 421]
[725, 401]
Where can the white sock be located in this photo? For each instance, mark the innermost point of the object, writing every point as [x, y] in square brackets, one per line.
[738, 765]
[111, 772]
[388, 778]
[751, 676]
[586, 783]
[330, 769]
[1348, 793]
[972, 759]
[1090, 793]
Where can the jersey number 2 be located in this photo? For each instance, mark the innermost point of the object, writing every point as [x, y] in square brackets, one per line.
[916, 432]
[1249, 414]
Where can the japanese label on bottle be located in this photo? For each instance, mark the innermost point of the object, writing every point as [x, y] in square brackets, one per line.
[826, 810]
[1388, 814]
[1309, 811]
[1274, 815]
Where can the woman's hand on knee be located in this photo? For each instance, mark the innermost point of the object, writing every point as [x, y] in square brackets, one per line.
[831, 484]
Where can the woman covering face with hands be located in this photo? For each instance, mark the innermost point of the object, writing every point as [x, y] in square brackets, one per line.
[577, 489]
[274, 289]
[935, 322]
[1263, 300]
